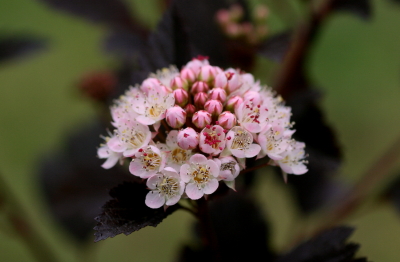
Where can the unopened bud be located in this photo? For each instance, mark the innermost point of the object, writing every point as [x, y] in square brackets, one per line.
[178, 82]
[200, 99]
[181, 97]
[188, 75]
[233, 103]
[198, 87]
[188, 138]
[227, 120]
[217, 94]
[214, 107]
[190, 110]
[175, 116]
[207, 73]
[201, 119]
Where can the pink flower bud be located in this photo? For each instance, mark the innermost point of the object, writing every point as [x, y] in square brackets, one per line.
[217, 94]
[181, 97]
[150, 84]
[201, 119]
[190, 110]
[221, 80]
[200, 99]
[227, 120]
[252, 96]
[198, 87]
[214, 107]
[188, 75]
[223, 17]
[188, 138]
[178, 82]
[175, 116]
[233, 103]
[207, 73]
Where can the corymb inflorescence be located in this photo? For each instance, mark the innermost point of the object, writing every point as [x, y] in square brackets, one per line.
[185, 131]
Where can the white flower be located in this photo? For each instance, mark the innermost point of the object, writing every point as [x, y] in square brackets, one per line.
[273, 142]
[293, 159]
[166, 188]
[252, 116]
[200, 175]
[105, 152]
[165, 75]
[129, 137]
[240, 143]
[177, 156]
[147, 162]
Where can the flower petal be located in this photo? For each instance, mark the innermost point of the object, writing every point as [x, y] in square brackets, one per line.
[154, 200]
[211, 186]
[193, 192]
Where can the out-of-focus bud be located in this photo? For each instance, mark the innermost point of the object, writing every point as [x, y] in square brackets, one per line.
[214, 107]
[233, 103]
[261, 13]
[188, 75]
[198, 87]
[200, 99]
[178, 82]
[98, 85]
[234, 30]
[217, 94]
[190, 110]
[221, 80]
[176, 117]
[188, 138]
[150, 84]
[207, 73]
[236, 13]
[201, 119]
[181, 97]
[223, 17]
[227, 120]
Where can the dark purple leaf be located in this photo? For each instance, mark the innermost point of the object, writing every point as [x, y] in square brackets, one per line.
[114, 13]
[329, 246]
[74, 183]
[126, 212]
[124, 44]
[361, 8]
[240, 230]
[13, 46]
[276, 46]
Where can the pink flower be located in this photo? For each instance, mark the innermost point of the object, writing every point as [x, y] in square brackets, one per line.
[293, 159]
[252, 116]
[147, 162]
[201, 118]
[273, 142]
[112, 157]
[207, 73]
[166, 188]
[240, 143]
[178, 82]
[212, 140]
[233, 103]
[214, 107]
[227, 120]
[188, 138]
[188, 75]
[176, 117]
[200, 175]
[176, 155]
[229, 170]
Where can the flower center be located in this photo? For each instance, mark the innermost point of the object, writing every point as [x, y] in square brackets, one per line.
[211, 138]
[229, 166]
[179, 156]
[242, 140]
[201, 175]
[150, 160]
[168, 186]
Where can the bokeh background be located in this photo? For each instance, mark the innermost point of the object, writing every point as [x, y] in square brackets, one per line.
[355, 64]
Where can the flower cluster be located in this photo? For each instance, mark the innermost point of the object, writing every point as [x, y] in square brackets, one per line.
[184, 131]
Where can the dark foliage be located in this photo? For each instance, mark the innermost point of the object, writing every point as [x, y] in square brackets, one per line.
[392, 193]
[276, 46]
[361, 8]
[329, 246]
[74, 183]
[127, 212]
[240, 232]
[13, 46]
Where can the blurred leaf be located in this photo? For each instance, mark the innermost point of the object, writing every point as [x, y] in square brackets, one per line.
[12, 46]
[361, 8]
[74, 184]
[276, 46]
[392, 193]
[127, 212]
[329, 246]
[114, 13]
[240, 230]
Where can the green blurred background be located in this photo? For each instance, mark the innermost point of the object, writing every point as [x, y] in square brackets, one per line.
[356, 64]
